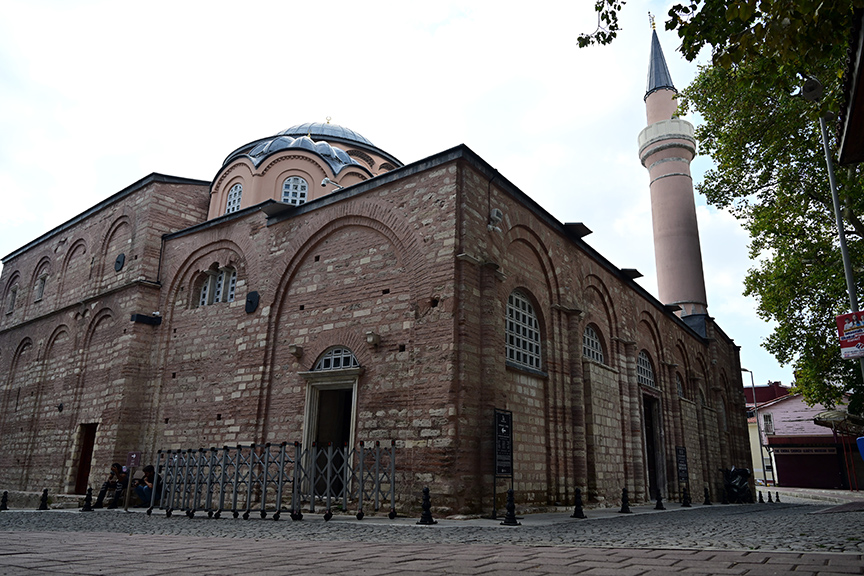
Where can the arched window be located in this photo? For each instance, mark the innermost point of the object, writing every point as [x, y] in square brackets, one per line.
[644, 370]
[234, 195]
[218, 286]
[338, 358]
[679, 385]
[592, 348]
[10, 299]
[523, 332]
[294, 190]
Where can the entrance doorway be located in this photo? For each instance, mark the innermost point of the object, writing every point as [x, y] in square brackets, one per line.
[652, 442]
[86, 440]
[334, 417]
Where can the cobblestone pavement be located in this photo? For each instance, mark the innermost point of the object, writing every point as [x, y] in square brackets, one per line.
[734, 539]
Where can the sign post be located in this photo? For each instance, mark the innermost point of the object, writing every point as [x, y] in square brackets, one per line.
[681, 464]
[133, 460]
[503, 453]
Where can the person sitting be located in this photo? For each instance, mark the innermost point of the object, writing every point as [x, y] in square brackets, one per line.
[145, 487]
[117, 481]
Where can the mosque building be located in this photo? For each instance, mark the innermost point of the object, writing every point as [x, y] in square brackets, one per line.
[320, 290]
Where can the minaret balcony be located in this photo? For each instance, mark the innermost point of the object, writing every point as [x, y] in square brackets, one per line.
[665, 134]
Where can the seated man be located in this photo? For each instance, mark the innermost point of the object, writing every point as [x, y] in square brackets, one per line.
[145, 487]
[117, 481]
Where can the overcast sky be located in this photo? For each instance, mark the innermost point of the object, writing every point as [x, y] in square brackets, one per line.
[96, 95]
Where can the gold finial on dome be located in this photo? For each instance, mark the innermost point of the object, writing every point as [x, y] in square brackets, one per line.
[651, 19]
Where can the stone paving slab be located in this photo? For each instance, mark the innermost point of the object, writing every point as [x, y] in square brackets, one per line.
[738, 539]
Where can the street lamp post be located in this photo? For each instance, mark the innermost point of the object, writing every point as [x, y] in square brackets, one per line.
[758, 427]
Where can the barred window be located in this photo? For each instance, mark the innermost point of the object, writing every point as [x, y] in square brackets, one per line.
[679, 385]
[523, 332]
[218, 286]
[644, 370]
[294, 190]
[592, 348]
[10, 302]
[234, 195]
[337, 358]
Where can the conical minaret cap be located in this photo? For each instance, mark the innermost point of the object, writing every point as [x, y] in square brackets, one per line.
[658, 72]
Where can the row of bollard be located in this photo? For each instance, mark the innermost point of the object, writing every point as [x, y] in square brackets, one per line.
[776, 499]
[426, 505]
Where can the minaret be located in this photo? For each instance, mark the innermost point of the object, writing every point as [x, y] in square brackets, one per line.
[666, 147]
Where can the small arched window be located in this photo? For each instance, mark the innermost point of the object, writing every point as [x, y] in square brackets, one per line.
[337, 358]
[234, 196]
[592, 348]
[523, 332]
[294, 190]
[10, 299]
[679, 385]
[645, 370]
[218, 286]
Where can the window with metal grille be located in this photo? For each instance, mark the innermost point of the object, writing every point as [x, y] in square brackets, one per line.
[523, 332]
[768, 423]
[234, 195]
[294, 190]
[218, 286]
[337, 358]
[592, 348]
[679, 385]
[644, 370]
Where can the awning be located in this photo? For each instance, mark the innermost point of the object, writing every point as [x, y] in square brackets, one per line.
[841, 422]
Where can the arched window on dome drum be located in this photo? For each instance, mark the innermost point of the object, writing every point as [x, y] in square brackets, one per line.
[337, 358]
[645, 370]
[294, 190]
[234, 195]
[523, 332]
[592, 348]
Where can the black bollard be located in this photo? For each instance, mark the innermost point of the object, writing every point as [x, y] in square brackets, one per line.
[685, 499]
[577, 512]
[770, 501]
[625, 503]
[426, 516]
[761, 499]
[510, 516]
[43, 501]
[777, 497]
[659, 505]
[88, 501]
[4, 501]
[707, 501]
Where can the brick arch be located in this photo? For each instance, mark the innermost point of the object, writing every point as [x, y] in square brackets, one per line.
[648, 324]
[198, 261]
[77, 250]
[105, 264]
[24, 346]
[365, 214]
[42, 266]
[520, 233]
[684, 369]
[594, 284]
[339, 337]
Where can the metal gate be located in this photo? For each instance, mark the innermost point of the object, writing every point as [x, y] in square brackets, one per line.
[267, 478]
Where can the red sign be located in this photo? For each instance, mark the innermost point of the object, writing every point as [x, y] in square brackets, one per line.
[851, 330]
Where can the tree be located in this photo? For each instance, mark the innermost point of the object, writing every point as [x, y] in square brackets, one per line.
[770, 169]
[771, 174]
[798, 35]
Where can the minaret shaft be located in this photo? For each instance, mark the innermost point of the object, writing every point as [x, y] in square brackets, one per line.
[666, 148]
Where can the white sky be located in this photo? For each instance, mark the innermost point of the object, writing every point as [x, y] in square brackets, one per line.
[95, 95]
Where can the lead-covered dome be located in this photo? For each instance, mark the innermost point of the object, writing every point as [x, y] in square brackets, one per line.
[326, 130]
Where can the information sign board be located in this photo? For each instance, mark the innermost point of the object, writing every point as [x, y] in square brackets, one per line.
[503, 443]
[681, 459]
